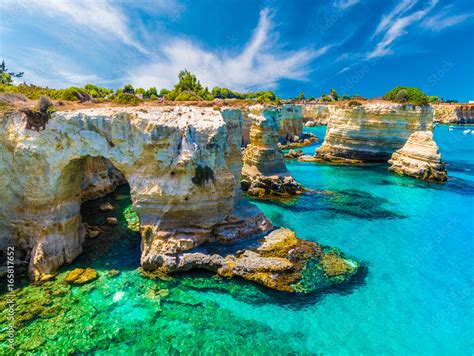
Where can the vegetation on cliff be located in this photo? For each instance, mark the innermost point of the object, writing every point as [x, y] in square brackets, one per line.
[407, 95]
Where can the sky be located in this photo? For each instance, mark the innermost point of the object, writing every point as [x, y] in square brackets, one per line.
[354, 46]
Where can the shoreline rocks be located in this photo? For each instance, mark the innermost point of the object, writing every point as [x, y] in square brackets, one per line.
[454, 114]
[184, 168]
[419, 158]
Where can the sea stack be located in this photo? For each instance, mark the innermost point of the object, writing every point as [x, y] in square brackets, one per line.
[371, 132]
[419, 158]
[264, 173]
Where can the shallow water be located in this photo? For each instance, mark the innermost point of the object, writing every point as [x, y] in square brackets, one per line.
[415, 296]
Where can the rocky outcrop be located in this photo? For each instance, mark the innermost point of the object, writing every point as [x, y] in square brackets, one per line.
[419, 158]
[289, 123]
[183, 165]
[371, 132]
[100, 178]
[316, 114]
[264, 172]
[454, 114]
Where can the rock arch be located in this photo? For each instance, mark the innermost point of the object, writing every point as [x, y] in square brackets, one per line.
[159, 153]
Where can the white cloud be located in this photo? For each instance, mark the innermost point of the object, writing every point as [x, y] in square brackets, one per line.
[400, 9]
[345, 4]
[100, 17]
[443, 19]
[261, 64]
[395, 25]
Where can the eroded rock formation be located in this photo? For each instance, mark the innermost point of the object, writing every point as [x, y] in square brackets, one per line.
[371, 132]
[419, 158]
[264, 172]
[183, 165]
[316, 114]
[100, 178]
[289, 123]
[454, 114]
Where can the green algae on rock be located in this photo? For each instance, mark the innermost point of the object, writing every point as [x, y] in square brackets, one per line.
[81, 276]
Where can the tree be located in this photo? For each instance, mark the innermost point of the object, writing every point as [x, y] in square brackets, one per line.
[300, 96]
[151, 93]
[334, 95]
[164, 92]
[6, 76]
[413, 95]
[190, 86]
[402, 96]
[128, 88]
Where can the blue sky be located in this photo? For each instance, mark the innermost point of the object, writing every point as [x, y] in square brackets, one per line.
[355, 46]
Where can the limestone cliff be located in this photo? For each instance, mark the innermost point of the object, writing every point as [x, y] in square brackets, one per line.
[371, 132]
[100, 178]
[316, 114]
[454, 114]
[264, 171]
[288, 120]
[183, 165]
[419, 158]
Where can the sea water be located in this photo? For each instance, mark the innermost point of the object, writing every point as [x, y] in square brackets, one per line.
[413, 296]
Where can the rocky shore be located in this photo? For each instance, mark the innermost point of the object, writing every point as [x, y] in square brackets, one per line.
[454, 114]
[183, 165]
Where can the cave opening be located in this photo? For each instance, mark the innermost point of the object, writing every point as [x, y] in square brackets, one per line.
[112, 239]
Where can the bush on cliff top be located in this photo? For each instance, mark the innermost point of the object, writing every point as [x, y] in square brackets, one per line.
[407, 95]
[127, 99]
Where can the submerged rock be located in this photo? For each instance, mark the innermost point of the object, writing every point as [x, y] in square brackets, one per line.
[112, 221]
[106, 207]
[81, 276]
[419, 158]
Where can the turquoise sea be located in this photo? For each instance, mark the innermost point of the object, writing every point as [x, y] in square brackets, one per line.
[414, 295]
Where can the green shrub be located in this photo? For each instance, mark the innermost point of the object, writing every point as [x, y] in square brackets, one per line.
[327, 99]
[187, 96]
[402, 96]
[414, 95]
[127, 99]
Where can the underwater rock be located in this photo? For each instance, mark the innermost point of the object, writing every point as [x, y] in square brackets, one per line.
[419, 158]
[81, 276]
[113, 273]
[264, 166]
[371, 132]
[112, 221]
[454, 114]
[106, 207]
